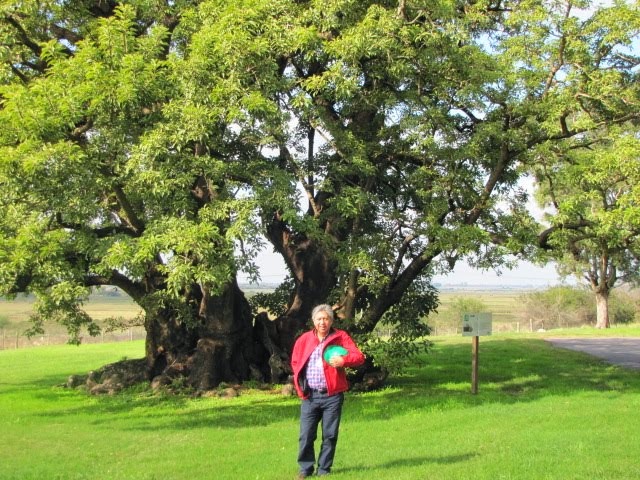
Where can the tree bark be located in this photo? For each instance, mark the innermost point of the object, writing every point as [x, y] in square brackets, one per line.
[225, 350]
[602, 278]
[314, 277]
[602, 309]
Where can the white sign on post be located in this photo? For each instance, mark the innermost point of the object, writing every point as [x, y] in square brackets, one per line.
[476, 324]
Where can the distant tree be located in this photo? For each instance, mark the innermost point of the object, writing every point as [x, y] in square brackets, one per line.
[593, 201]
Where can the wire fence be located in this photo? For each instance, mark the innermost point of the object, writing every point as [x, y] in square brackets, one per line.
[13, 339]
[496, 327]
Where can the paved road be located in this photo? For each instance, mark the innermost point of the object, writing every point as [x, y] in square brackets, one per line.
[619, 351]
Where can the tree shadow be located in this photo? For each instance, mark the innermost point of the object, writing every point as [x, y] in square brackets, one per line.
[149, 412]
[510, 371]
[43, 387]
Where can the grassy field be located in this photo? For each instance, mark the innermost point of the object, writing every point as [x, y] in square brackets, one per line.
[500, 302]
[541, 413]
[100, 307]
[14, 321]
[503, 305]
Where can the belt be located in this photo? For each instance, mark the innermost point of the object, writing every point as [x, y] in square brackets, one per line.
[319, 390]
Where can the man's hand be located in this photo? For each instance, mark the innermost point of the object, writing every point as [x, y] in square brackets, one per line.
[336, 361]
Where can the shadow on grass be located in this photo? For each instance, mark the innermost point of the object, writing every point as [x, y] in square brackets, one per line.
[408, 462]
[510, 370]
[43, 387]
[146, 411]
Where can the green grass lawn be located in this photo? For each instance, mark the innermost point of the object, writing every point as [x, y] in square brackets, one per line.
[540, 413]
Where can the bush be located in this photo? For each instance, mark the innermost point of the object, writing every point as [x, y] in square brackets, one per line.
[623, 307]
[624, 313]
[558, 307]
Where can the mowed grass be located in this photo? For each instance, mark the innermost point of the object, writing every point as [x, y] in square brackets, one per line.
[540, 413]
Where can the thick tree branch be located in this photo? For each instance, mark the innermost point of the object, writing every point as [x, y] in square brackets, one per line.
[62, 33]
[544, 237]
[23, 78]
[130, 216]
[394, 291]
[23, 36]
[496, 174]
[134, 289]
[103, 232]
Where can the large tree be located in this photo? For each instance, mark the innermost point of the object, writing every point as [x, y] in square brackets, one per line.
[150, 145]
[102, 185]
[418, 122]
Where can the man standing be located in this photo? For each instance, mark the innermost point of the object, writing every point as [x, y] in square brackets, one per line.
[321, 384]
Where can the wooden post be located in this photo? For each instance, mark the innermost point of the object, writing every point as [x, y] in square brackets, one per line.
[475, 344]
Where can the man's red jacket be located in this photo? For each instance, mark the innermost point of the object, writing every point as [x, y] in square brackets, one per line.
[336, 377]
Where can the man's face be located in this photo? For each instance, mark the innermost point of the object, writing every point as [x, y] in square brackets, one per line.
[322, 321]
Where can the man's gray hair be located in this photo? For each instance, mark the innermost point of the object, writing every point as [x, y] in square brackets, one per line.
[322, 308]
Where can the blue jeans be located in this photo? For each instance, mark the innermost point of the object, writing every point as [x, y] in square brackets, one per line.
[328, 409]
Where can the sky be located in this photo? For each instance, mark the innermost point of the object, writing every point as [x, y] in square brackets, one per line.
[273, 270]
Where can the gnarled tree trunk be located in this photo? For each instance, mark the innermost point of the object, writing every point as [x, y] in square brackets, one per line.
[220, 348]
[314, 274]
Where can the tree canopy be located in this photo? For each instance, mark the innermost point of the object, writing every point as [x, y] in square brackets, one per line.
[152, 145]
